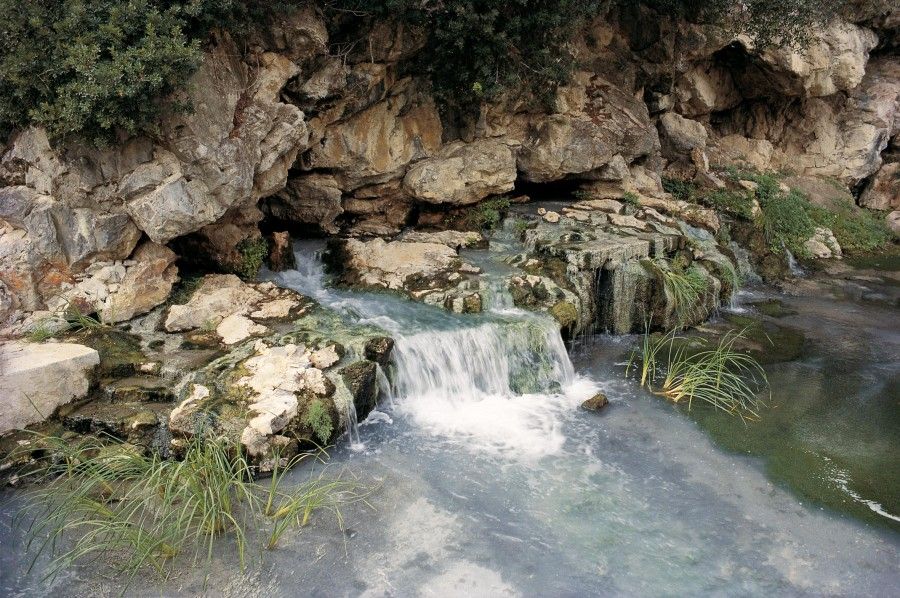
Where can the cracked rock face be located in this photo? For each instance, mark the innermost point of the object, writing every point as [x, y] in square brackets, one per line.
[77, 204]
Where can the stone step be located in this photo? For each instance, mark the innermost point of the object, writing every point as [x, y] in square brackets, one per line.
[134, 422]
[136, 389]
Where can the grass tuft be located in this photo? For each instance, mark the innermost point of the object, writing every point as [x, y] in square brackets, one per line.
[723, 376]
[114, 504]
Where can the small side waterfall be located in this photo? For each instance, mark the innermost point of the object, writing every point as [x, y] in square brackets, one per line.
[793, 266]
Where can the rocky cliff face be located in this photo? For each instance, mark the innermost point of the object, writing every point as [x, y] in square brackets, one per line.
[353, 144]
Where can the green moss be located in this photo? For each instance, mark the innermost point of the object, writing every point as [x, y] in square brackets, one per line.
[120, 352]
[318, 419]
[565, 313]
[488, 214]
[253, 253]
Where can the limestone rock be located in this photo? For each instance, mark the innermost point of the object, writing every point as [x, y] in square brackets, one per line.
[427, 272]
[309, 199]
[144, 285]
[236, 328]
[834, 61]
[281, 252]
[217, 297]
[679, 135]
[893, 222]
[451, 238]
[38, 378]
[463, 173]
[551, 217]
[377, 143]
[597, 121]
[883, 191]
[823, 244]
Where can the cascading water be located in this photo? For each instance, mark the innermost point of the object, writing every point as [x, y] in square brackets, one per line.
[497, 380]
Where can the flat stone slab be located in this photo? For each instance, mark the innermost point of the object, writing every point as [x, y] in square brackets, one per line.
[35, 379]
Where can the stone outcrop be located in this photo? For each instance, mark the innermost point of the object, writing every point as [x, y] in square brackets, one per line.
[74, 204]
[354, 145]
[430, 272]
[463, 173]
[37, 379]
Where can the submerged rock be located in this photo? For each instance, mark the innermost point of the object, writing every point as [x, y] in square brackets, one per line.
[596, 402]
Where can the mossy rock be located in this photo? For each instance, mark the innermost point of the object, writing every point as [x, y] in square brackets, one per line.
[565, 313]
[379, 349]
[774, 308]
[361, 380]
[120, 352]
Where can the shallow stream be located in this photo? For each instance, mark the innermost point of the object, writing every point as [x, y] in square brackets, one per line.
[490, 481]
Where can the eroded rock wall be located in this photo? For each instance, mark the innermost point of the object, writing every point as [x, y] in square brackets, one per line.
[352, 142]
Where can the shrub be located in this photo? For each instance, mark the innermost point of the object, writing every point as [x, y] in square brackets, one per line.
[488, 214]
[93, 68]
[253, 253]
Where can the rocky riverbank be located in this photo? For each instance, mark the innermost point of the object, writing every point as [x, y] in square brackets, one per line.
[128, 271]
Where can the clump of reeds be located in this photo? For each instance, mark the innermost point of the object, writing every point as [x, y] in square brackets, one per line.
[685, 289]
[722, 376]
[96, 502]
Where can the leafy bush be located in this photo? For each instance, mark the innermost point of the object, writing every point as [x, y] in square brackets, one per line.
[253, 253]
[92, 68]
[488, 214]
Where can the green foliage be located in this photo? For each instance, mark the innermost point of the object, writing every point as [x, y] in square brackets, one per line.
[253, 253]
[735, 202]
[488, 214]
[318, 418]
[477, 49]
[71, 320]
[111, 503]
[723, 376]
[786, 22]
[631, 199]
[681, 190]
[93, 68]
[855, 230]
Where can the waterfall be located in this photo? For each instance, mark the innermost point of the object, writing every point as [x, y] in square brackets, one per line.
[793, 266]
[490, 378]
[501, 359]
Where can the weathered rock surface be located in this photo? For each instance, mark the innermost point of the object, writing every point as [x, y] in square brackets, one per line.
[78, 204]
[430, 272]
[36, 379]
[597, 121]
[463, 173]
[883, 191]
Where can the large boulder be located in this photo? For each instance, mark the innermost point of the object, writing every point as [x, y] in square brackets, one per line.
[596, 121]
[834, 61]
[38, 378]
[883, 191]
[463, 173]
[376, 144]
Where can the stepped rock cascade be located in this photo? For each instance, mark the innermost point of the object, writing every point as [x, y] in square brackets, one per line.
[495, 380]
